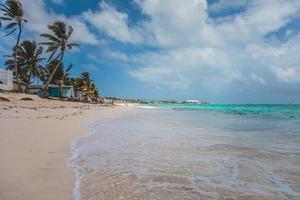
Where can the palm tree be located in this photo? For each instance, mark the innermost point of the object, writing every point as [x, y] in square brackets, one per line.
[86, 81]
[88, 86]
[57, 45]
[29, 58]
[13, 13]
[95, 92]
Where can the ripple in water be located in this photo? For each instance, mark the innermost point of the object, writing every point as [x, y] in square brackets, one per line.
[167, 154]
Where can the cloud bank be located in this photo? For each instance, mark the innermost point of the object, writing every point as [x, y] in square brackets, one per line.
[193, 47]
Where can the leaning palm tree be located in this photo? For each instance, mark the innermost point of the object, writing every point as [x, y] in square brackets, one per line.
[13, 14]
[57, 44]
[29, 59]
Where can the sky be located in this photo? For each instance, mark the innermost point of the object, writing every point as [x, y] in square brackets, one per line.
[222, 51]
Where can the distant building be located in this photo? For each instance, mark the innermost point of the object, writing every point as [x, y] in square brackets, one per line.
[61, 91]
[65, 91]
[193, 101]
[6, 80]
[80, 96]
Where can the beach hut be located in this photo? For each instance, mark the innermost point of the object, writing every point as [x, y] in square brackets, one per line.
[53, 90]
[66, 91]
[6, 80]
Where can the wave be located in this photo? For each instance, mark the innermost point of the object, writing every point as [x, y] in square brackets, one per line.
[258, 110]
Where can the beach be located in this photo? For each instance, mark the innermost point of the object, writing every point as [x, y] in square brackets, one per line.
[149, 100]
[53, 149]
[35, 138]
[202, 152]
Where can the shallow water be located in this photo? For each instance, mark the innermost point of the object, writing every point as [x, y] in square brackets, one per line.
[188, 154]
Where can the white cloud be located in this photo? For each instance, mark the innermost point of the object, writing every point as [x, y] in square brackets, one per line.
[257, 78]
[289, 75]
[113, 23]
[268, 16]
[192, 49]
[199, 51]
[81, 32]
[116, 55]
[184, 68]
[38, 19]
[176, 23]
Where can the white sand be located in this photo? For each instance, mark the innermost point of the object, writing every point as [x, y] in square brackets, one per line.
[35, 139]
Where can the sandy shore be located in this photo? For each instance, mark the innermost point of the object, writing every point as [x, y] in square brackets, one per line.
[35, 141]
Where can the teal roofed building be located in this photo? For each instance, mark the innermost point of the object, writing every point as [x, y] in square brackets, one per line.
[66, 91]
[58, 91]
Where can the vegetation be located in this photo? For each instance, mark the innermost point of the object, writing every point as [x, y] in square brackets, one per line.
[86, 85]
[27, 61]
[60, 76]
[57, 43]
[13, 14]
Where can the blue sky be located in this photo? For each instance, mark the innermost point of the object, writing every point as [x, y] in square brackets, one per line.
[223, 51]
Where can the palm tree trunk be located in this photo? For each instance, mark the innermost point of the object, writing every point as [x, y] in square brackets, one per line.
[28, 83]
[16, 57]
[46, 94]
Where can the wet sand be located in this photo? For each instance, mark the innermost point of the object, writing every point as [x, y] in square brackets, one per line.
[155, 154]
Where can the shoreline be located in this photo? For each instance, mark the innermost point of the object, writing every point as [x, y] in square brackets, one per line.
[74, 153]
[154, 152]
[35, 145]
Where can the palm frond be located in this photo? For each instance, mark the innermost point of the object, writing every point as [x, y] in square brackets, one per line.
[6, 18]
[39, 50]
[69, 68]
[11, 25]
[28, 59]
[70, 31]
[15, 7]
[7, 11]
[10, 32]
[50, 37]
[52, 54]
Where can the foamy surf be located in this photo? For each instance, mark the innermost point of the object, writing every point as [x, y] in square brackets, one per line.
[166, 154]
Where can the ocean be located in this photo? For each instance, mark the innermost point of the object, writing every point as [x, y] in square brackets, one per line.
[177, 151]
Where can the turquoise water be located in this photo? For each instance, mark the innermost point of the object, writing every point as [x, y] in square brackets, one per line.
[260, 110]
[175, 152]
